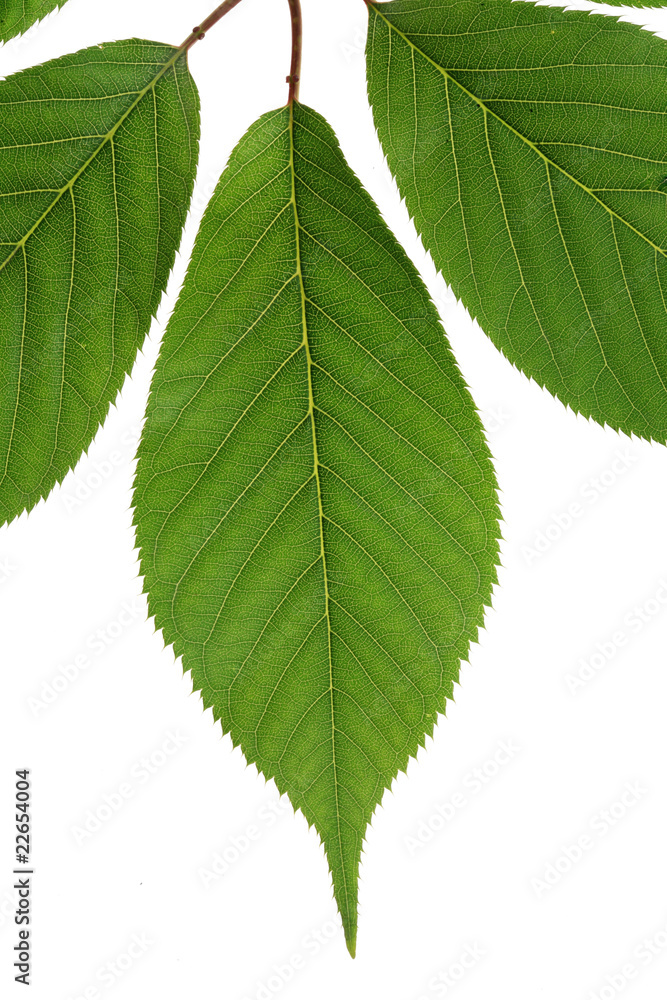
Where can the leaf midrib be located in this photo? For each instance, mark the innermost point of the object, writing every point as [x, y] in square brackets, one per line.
[489, 111]
[105, 139]
[316, 473]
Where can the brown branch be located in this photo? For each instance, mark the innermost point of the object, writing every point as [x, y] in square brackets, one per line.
[198, 33]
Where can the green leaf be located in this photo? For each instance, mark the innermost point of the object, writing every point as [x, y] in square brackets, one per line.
[315, 503]
[97, 159]
[16, 16]
[530, 145]
[634, 3]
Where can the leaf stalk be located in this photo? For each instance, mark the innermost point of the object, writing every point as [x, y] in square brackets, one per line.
[297, 35]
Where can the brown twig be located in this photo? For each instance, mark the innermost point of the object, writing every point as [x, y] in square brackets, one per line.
[198, 33]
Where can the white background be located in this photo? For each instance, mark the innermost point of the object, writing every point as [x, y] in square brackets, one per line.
[431, 890]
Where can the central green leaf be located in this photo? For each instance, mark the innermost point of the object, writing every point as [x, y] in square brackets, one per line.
[315, 502]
